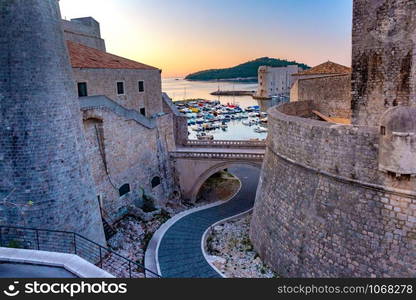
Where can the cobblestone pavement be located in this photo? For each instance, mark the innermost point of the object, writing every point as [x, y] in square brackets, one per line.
[180, 254]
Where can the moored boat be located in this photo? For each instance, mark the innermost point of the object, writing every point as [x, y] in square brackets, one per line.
[260, 129]
[204, 136]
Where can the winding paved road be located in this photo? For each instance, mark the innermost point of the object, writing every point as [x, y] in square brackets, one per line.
[180, 254]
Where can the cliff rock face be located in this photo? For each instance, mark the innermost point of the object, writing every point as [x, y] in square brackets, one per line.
[42, 158]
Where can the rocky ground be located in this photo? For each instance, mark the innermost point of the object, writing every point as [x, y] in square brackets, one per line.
[135, 231]
[232, 252]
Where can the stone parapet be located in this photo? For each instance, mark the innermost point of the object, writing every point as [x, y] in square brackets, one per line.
[322, 145]
[323, 209]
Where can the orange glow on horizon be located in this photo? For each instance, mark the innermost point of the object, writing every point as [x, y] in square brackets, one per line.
[141, 30]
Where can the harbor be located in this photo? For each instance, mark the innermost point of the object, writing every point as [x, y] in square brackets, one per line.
[244, 118]
[208, 120]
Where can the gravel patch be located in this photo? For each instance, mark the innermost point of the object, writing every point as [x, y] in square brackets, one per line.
[231, 251]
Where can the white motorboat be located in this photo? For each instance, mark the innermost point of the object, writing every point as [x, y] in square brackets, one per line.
[197, 128]
[260, 129]
[204, 137]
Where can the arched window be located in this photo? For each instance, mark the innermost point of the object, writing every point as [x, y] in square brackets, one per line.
[155, 181]
[124, 189]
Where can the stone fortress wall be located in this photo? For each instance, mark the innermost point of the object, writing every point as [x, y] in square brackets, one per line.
[331, 94]
[324, 207]
[123, 151]
[84, 31]
[45, 179]
[384, 58]
[62, 157]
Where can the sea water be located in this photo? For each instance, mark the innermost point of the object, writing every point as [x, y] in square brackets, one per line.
[179, 89]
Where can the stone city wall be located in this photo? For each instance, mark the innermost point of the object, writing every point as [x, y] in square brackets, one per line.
[43, 168]
[383, 58]
[322, 211]
[122, 152]
[330, 94]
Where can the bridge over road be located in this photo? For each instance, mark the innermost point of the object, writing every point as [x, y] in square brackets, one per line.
[196, 161]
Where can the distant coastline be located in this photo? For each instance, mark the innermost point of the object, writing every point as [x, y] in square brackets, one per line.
[233, 93]
[238, 79]
[243, 72]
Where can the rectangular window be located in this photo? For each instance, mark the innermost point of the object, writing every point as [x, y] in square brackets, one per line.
[143, 111]
[141, 86]
[82, 89]
[120, 88]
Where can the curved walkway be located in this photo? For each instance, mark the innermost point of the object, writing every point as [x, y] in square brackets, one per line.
[179, 253]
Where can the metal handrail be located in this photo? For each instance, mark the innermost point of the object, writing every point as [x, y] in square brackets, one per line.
[77, 245]
[221, 143]
[222, 155]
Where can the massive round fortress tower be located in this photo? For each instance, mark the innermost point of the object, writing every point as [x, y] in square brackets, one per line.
[340, 200]
[44, 175]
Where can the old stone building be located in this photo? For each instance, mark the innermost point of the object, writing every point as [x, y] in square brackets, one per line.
[328, 68]
[275, 81]
[339, 200]
[129, 131]
[131, 84]
[77, 143]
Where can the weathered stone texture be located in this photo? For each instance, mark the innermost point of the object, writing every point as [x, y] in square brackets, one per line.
[397, 150]
[340, 149]
[330, 94]
[41, 140]
[312, 225]
[384, 35]
[322, 211]
[84, 31]
[104, 82]
[122, 152]
[179, 125]
[324, 208]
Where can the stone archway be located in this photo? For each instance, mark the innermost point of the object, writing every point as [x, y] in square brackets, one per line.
[211, 171]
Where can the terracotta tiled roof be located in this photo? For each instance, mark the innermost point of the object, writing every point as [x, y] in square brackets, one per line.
[326, 68]
[86, 57]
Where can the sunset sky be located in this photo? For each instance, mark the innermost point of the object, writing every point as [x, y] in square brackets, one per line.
[183, 36]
